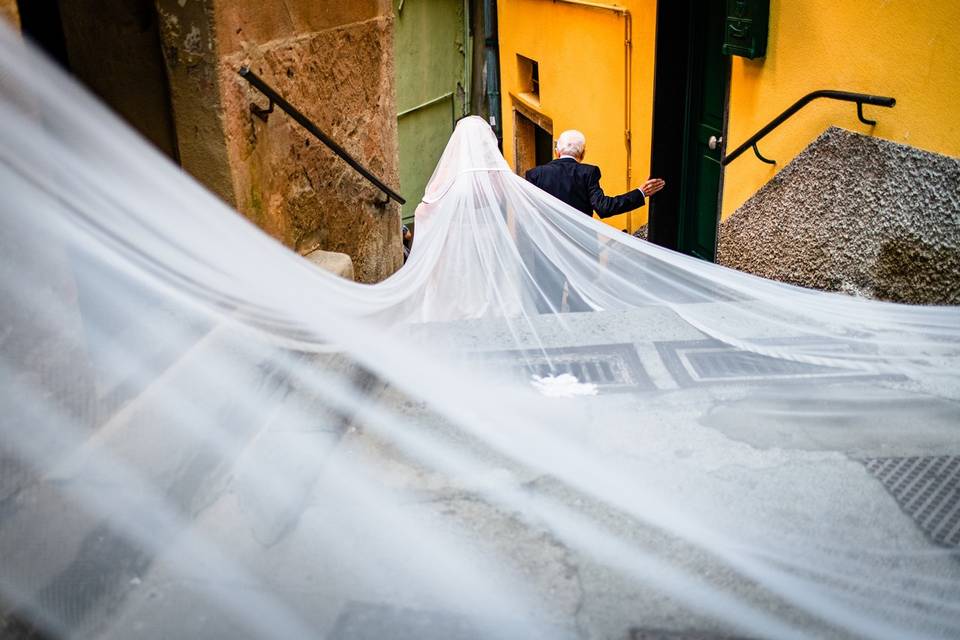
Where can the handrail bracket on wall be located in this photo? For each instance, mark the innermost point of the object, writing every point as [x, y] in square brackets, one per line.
[260, 112]
[872, 123]
[761, 157]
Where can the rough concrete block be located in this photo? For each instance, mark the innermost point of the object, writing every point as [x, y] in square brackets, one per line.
[336, 263]
[857, 214]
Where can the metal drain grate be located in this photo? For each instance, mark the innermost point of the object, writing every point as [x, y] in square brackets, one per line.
[927, 489]
[662, 634]
[726, 363]
[614, 367]
[368, 621]
[361, 621]
[697, 362]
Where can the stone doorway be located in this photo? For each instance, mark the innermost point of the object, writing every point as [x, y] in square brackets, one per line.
[114, 48]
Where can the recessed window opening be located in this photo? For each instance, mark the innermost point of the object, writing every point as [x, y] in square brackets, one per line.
[528, 74]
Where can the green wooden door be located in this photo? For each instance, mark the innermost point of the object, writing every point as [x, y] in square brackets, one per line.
[432, 53]
[706, 88]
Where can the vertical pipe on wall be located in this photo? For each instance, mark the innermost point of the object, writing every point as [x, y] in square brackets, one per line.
[492, 47]
[628, 102]
[627, 81]
[467, 58]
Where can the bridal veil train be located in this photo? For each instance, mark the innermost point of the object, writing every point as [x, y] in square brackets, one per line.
[205, 436]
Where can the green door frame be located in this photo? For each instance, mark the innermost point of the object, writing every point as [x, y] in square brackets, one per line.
[707, 80]
[690, 107]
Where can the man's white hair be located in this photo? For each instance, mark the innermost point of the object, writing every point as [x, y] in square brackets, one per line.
[571, 143]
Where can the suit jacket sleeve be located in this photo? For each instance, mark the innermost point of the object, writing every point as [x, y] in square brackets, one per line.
[607, 206]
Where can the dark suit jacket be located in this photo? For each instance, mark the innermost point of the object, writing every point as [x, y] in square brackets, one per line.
[578, 185]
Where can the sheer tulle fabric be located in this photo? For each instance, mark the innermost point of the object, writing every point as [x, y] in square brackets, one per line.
[539, 427]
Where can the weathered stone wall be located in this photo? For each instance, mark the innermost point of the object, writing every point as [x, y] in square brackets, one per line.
[857, 214]
[336, 66]
[9, 13]
[170, 68]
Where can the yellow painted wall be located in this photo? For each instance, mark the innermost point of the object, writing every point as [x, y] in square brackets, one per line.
[580, 51]
[908, 49]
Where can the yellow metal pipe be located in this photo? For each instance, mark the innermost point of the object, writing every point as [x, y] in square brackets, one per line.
[627, 80]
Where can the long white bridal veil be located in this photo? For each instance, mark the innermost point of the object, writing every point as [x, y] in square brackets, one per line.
[538, 428]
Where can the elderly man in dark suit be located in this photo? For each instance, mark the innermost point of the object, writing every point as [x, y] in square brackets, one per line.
[570, 180]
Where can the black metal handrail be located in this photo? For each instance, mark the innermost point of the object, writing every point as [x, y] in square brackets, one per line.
[303, 121]
[844, 96]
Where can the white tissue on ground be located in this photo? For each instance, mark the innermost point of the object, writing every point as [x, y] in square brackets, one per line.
[564, 385]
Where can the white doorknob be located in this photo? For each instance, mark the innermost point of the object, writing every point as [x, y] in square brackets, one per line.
[714, 142]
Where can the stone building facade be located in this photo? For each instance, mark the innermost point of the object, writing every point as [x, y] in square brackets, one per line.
[169, 67]
[9, 12]
[333, 60]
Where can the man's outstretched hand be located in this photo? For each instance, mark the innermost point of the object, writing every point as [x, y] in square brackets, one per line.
[651, 186]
